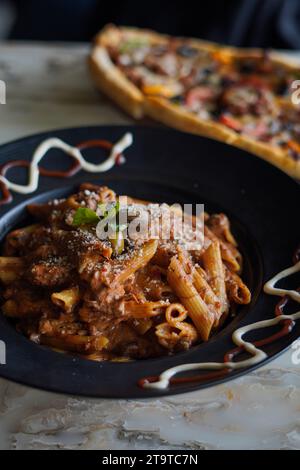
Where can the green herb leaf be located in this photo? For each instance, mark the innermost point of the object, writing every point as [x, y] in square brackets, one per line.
[85, 216]
[131, 44]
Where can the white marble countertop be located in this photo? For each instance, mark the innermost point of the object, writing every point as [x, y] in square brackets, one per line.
[48, 87]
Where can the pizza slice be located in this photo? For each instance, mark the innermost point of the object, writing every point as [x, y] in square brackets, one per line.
[241, 97]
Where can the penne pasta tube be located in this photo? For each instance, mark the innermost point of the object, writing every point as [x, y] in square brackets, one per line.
[229, 253]
[143, 310]
[237, 291]
[171, 337]
[163, 256]
[10, 309]
[11, 268]
[220, 226]
[142, 325]
[66, 299]
[25, 307]
[117, 271]
[76, 343]
[205, 290]
[181, 283]
[214, 268]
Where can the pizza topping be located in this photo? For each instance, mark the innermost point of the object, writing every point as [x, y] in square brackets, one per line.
[159, 50]
[245, 99]
[239, 93]
[185, 50]
[199, 97]
[261, 64]
[275, 126]
[294, 149]
[291, 122]
[296, 131]
[223, 57]
[160, 90]
[151, 83]
[166, 64]
[283, 88]
[231, 122]
[201, 73]
[178, 99]
[262, 128]
[129, 45]
[125, 60]
[135, 74]
[255, 81]
[257, 130]
[247, 67]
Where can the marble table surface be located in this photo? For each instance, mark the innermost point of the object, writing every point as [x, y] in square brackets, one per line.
[48, 87]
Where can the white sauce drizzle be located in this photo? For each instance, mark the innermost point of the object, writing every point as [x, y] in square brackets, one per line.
[272, 290]
[257, 354]
[44, 147]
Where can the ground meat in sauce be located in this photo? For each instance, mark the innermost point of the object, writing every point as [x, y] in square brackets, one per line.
[53, 272]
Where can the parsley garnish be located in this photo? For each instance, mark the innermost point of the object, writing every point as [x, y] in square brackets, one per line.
[85, 216]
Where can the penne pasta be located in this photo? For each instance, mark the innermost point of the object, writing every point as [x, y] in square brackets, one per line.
[204, 289]
[10, 309]
[76, 343]
[11, 269]
[117, 271]
[220, 226]
[171, 337]
[144, 310]
[163, 255]
[181, 283]
[24, 309]
[229, 253]
[142, 325]
[214, 268]
[237, 290]
[66, 299]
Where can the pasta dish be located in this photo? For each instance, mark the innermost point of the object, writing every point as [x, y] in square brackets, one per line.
[122, 297]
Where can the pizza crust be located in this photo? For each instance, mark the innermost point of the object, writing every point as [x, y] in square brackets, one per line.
[109, 78]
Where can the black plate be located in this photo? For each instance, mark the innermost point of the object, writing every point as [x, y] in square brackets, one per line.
[164, 165]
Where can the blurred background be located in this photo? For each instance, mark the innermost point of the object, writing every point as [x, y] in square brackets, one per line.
[264, 23]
